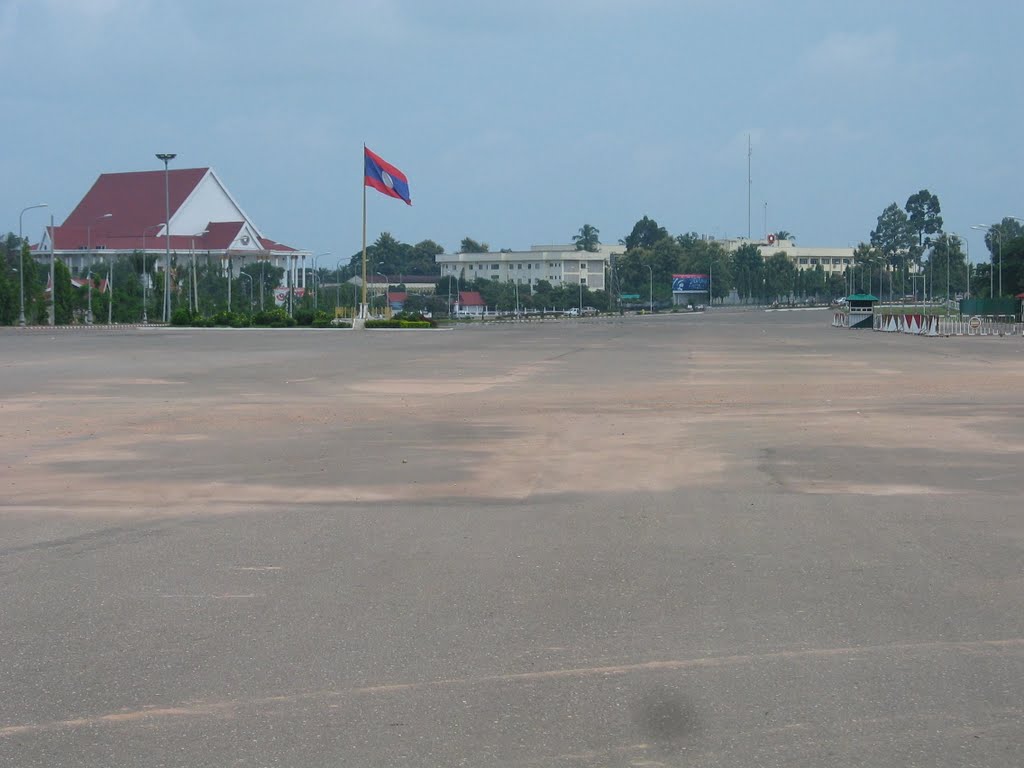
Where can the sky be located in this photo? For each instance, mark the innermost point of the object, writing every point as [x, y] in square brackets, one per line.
[518, 122]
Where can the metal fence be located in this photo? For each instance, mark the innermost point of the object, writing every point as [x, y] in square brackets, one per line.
[948, 325]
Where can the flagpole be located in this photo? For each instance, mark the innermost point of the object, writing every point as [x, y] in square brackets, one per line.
[363, 311]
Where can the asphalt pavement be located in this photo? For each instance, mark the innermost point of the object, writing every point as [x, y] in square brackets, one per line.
[729, 539]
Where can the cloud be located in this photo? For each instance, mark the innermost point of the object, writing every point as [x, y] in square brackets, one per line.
[852, 55]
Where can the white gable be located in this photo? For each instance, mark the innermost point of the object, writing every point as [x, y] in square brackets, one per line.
[247, 239]
[209, 201]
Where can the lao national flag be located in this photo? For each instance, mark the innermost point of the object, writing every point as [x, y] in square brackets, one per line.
[385, 178]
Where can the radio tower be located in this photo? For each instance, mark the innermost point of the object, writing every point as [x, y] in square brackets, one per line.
[750, 183]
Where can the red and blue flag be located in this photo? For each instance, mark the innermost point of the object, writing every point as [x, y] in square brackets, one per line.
[385, 178]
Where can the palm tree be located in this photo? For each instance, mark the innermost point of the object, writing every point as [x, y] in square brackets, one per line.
[587, 240]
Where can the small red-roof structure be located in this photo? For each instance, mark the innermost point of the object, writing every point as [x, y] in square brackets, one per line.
[470, 303]
[471, 299]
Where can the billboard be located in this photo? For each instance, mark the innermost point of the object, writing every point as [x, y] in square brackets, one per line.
[690, 283]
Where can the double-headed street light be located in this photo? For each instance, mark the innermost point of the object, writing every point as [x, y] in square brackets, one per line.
[316, 282]
[166, 157]
[997, 233]
[21, 262]
[246, 274]
[651, 271]
[145, 277]
[88, 252]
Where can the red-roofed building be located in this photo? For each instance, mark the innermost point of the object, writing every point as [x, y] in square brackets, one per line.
[470, 303]
[125, 212]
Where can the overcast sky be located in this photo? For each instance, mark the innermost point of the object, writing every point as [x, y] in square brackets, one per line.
[517, 122]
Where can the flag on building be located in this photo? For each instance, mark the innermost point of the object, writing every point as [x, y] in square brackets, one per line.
[385, 178]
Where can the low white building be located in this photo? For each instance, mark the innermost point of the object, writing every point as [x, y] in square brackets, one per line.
[557, 264]
[803, 257]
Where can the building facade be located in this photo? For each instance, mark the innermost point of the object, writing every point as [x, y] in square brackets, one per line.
[830, 259]
[125, 213]
[557, 264]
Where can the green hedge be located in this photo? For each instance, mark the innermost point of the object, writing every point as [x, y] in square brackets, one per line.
[398, 324]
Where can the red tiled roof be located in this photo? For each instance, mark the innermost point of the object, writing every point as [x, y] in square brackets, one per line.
[136, 199]
[137, 202]
[270, 245]
[471, 299]
[397, 296]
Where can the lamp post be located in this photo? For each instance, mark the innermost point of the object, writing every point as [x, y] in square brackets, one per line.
[88, 249]
[193, 288]
[145, 275]
[337, 287]
[316, 282]
[949, 257]
[387, 285]
[992, 229]
[88, 312]
[110, 290]
[21, 262]
[167, 157]
[651, 296]
[246, 274]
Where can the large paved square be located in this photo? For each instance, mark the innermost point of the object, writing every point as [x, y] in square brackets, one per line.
[739, 539]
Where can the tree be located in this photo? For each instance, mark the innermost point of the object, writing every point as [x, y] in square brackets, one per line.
[923, 219]
[783, 234]
[587, 240]
[893, 237]
[645, 234]
[946, 259]
[779, 276]
[469, 245]
[63, 294]
[869, 266]
[747, 267]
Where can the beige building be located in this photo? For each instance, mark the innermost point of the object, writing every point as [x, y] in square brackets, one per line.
[830, 259]
[558, 264]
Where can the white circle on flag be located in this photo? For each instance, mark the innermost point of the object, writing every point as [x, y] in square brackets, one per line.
[388, 181]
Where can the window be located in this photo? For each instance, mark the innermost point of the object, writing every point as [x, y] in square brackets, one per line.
[846, 261]
[495, 266]
[803, 261]
[583, 281]
[528, 266]
[583, 266]
[837, 261]
[814, 261]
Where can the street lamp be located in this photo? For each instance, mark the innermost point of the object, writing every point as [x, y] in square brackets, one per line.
[88, 249]
[88, 312]
[110, 290]
[193, 288]
[999, 235]
[21, 262]
[949, 255]
[316, 301]
[337, 286]
[387, 286]
[651, 297]
[145, 276]
[167, 157]
[246, 274]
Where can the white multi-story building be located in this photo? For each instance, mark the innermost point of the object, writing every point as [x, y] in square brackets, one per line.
[830, 259]
[558, 264]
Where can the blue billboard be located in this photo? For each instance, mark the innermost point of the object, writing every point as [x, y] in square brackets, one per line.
[690, 283]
